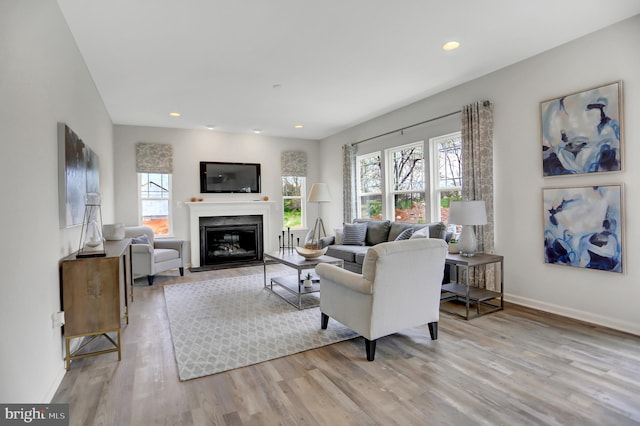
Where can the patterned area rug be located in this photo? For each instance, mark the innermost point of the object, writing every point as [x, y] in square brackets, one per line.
[222, 324]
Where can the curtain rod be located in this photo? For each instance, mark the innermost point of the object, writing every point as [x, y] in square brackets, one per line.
[407, 127]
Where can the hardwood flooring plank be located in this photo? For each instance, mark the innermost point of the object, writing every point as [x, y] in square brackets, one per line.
[516, 366]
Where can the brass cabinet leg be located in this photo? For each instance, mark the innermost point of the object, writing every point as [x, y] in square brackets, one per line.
[68, 357]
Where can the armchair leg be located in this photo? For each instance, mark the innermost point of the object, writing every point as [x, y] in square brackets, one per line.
[181, 271]
[370, 346]
[433, 330]
[150, 279]
[324, 320]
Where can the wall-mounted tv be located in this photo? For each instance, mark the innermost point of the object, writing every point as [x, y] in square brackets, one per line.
[218, 177]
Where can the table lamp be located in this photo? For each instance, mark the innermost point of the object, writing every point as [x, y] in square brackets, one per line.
[467, 214]
[319, 194]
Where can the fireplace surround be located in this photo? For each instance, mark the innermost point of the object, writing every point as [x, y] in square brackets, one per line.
[228, 208]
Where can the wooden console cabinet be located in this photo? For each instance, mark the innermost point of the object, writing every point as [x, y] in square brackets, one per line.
[93, 293]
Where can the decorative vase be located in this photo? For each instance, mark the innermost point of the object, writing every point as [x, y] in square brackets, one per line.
[307, 283]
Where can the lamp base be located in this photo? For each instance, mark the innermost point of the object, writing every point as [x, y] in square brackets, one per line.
[467, 243]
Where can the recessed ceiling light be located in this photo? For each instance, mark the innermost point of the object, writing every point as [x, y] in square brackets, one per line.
[450, 45]
[210, 126]
[174, 114]
[257, 131]
[277, 86]
[298, 126]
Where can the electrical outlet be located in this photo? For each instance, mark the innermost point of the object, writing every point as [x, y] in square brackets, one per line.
[58, 319]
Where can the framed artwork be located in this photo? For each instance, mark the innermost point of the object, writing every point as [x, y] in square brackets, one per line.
[78, 174]
[582, 132]
[583, 227]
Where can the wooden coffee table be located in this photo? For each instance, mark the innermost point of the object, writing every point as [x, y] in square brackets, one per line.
[293, 283]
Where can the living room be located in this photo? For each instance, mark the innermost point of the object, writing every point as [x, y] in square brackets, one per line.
[45, 81]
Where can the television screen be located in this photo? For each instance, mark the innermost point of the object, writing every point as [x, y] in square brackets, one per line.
[217, 177]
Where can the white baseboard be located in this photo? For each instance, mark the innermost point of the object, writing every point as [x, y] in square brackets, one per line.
[625, 326]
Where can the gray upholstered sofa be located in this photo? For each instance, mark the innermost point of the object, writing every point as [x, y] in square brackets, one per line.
[378, 231]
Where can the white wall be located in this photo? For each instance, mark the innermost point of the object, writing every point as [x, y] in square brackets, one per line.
[43, 81]
[192, 146]
[605, 56]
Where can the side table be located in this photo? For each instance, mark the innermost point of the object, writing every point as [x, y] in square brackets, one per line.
[468, 293]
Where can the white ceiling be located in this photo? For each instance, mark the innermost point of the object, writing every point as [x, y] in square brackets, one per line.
[338, 62]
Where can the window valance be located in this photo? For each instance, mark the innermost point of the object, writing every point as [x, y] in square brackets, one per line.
[154, 158]
[293, 163]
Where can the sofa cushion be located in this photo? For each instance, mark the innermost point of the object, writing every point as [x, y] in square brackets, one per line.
[354, 234]
[398, 228]
[377, 231]
[438, 230]
[422, 233]
[346, 253]
[360, 257]
[162, 255]
[405, 235]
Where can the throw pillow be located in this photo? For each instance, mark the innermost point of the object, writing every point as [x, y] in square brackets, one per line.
[142, 239]
[354, 234]
[421, 233]
[405, 235]
[339, 235]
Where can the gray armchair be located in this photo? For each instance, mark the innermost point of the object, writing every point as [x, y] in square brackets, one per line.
[399, 288]
[156, 255]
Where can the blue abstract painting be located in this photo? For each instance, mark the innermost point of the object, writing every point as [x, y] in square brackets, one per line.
[581, 132]
[583, 227]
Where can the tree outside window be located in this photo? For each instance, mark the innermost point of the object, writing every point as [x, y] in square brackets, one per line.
[293, 194]
[407, 183]
[446, 181]
[155, 202]
[369, 191]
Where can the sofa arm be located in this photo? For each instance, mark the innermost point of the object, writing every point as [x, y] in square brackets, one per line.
[344, 278]
[169, 244]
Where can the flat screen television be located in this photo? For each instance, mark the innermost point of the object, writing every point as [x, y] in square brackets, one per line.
[218, 177]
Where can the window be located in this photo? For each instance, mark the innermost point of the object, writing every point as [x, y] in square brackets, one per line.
[369, 191]
[446, 177]
[293, 196]
[155, 202]
[403, 186]
[406, 185]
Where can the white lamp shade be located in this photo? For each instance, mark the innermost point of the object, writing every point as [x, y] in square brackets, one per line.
[467, 213]
[319, 193]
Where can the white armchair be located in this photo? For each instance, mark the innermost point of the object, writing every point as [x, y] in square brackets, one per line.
[156, 256]
[399, 288]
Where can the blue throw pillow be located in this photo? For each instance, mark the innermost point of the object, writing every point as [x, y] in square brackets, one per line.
[142, 239]
[405, 235]
[354, 234]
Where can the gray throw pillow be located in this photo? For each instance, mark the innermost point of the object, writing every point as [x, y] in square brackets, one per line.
[405, 235]
[354, 234]
[142, 239]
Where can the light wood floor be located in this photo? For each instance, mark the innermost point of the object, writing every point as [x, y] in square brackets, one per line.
[514, 367]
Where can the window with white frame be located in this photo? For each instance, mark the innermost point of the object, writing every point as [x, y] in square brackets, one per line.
[406, 183]
[369, 185]
[293, 201]
[155, 202]
[446, 176]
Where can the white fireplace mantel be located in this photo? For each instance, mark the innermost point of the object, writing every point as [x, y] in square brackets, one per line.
[226, 208]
